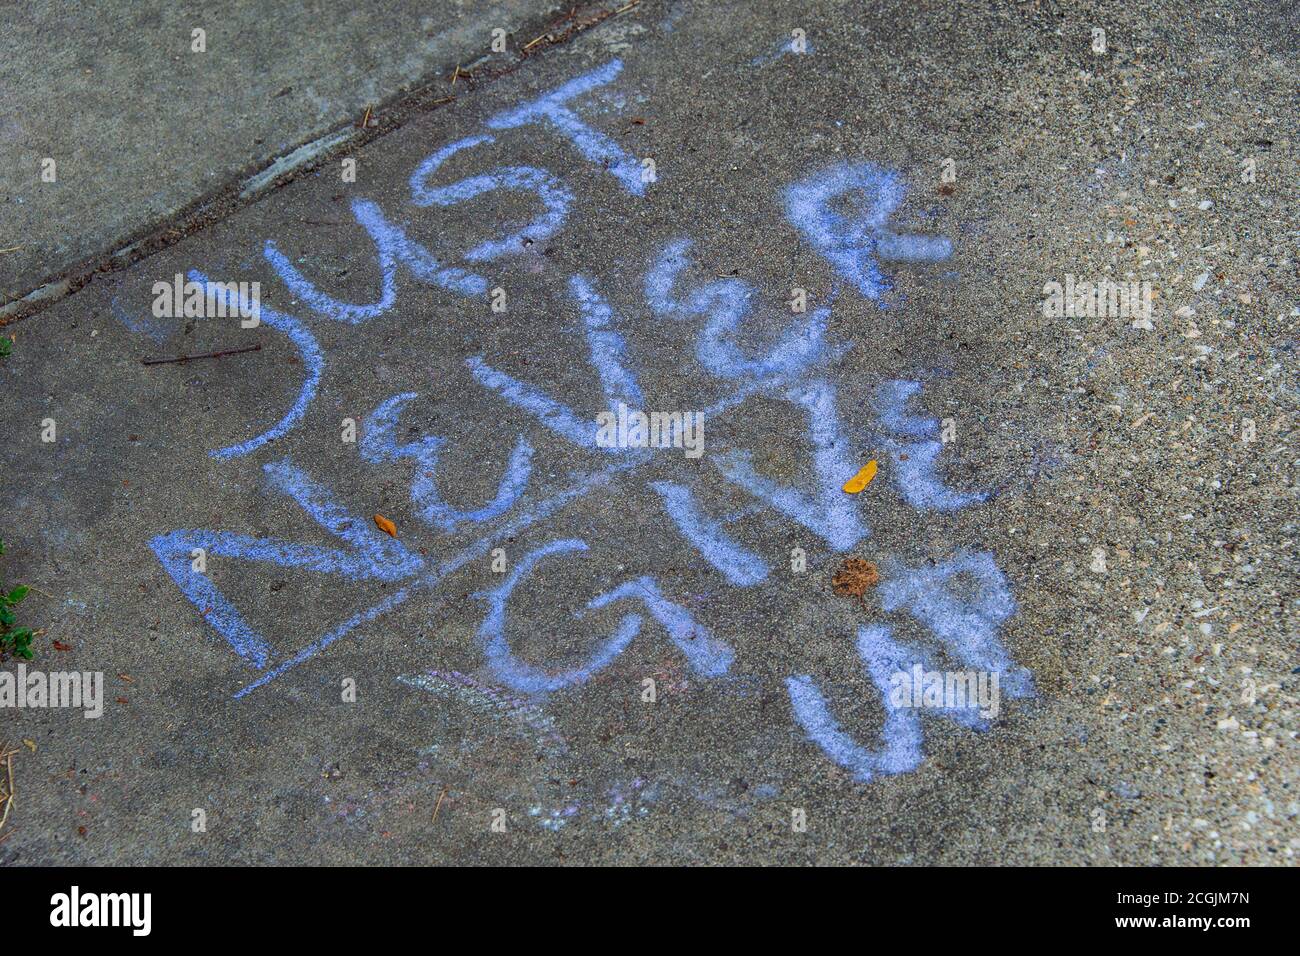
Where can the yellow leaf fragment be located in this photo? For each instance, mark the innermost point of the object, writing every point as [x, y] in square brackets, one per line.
[862, 478]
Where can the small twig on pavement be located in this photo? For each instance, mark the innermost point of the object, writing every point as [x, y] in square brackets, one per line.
[203, 355]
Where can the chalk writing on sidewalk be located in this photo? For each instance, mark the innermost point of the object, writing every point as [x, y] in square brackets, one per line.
[797, 369]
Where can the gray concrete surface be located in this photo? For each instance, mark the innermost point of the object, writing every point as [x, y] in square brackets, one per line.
[141, 126]
[1163, 728]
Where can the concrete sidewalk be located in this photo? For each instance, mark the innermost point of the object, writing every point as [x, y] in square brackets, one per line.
[1071, 503]
[145, 120]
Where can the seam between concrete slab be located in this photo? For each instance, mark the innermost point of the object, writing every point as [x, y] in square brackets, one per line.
[389, 115]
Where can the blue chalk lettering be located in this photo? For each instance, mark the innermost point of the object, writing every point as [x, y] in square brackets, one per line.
[370, 556]
[537, 513]
[596, 146]
[853, 245]
[741, 566]
[891, 405]
[313, 360]
[703, 651]
[914, 471]
[606, 345]
[915, 478]
[520, 676]
[828, 512]
[662, 276]
[706, 654]
[727, 303]
[969, 629]
[606, 348]
[556, 416]
[884, 659]
[902, 728]
[553, 194]
[392, 246]
[378, 444]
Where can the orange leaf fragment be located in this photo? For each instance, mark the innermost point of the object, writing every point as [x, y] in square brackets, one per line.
[386, 526]
[862, 478]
